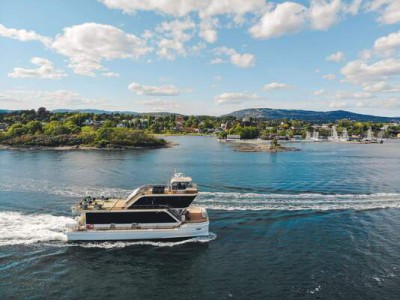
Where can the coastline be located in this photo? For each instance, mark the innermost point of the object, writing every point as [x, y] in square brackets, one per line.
[84, 148]
[262, 148]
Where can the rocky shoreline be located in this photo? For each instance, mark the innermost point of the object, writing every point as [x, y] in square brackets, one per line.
[82, 147]
[248, 147]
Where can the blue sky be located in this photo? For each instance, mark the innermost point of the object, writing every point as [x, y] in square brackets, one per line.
[201, 57]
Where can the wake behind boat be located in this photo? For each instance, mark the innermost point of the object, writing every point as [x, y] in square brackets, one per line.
[150, 212]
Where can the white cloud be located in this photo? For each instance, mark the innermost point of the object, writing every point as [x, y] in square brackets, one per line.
[285, 18]
[153, 90]
[380, 86]
[388, 10]
[388, 44]
[23, 35]
[337, 57]
[319, 92]
[49, 99]
[329, 76]
[324, 14]
[341, 104]
[208, 31]
[352, 7]
[359, 71]
[388, 103]
[173, 36]
[45, 70]
[235, 98]
[217, 61]
[276, 86]
[352, 95]
[245, 60]
[110, 74]
[291, 17]
[88, 44]
[180, 8]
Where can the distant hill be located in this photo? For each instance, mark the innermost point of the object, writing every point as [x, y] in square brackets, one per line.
[94, 111]
[309, 115]
[4, 111]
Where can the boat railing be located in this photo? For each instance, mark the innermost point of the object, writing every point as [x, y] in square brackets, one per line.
[171, 209]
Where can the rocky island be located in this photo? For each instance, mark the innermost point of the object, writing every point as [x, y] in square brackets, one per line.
[253, 146]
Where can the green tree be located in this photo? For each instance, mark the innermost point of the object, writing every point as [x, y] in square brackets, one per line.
[34, 127]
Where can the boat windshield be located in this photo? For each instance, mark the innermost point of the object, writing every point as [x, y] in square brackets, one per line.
[136, 192]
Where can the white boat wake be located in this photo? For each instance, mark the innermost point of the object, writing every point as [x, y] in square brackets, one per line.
[24, 229]
[306, 201]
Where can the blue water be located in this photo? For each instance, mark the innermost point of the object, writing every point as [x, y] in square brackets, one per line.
[317, 223]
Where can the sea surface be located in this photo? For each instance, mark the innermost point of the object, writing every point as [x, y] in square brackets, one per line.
[319, 223]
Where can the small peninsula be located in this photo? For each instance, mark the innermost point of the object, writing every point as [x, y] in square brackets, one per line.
[47, 131]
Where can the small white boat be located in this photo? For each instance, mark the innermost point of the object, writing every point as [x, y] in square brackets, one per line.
[150, 212]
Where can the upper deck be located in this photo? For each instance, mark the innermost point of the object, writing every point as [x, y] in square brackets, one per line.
[178, 194]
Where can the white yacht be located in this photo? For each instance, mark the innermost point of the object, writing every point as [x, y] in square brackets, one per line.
[150, 212]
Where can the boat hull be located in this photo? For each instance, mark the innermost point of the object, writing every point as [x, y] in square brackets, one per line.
[187, 230]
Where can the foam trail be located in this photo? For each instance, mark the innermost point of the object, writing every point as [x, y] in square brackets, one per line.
[123, 244]
[306, 201]
[22, 229]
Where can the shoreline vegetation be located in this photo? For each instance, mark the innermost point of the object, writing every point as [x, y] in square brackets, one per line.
[43, 129]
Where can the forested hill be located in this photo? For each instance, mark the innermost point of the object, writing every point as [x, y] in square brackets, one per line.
[308, 115]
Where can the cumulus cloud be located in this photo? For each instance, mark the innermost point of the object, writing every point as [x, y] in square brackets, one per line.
[324, 14]
[380, 86]
[23, 35]
[173, 36]
[276, 86]
[153, 90]
[285, 18]
[88, 44]
[45, 70]
[319, 92]
[337, 57]
[110, 74]
[329, 76]
[234, 98]
[388, 10]
[291, 17]
[180, 8]
[388, 44]
[353, 95]
[340, 104]
[245, 60]
[359, 71]
[217, 61]
[208, 30]
[352, 7]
